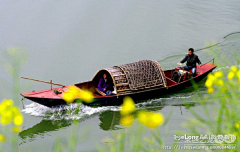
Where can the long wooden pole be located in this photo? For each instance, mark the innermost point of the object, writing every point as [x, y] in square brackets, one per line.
[210, 61]
[44, 81]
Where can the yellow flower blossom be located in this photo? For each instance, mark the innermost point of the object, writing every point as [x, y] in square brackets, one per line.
[68, 97]
[143, 117]
[71, 94]
[127, 120]
[17, 129]
[237, 125]
[2, 108]
[7, 103]
[6, 117]
[235, 133]
[73, 90]
[230, 75]
[210, 90]
[5, 120]
[75, 93]
[18, 120]
[15, 111]
[220, 82]
[234, 69]
[150, 119]
[2, 138]
[128, 106]
[209, 83]
[211, 77]
[218, 74]
[86, 96]
[156, 119]
[9, 113]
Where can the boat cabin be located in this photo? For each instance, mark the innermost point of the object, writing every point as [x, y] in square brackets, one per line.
[132, 77]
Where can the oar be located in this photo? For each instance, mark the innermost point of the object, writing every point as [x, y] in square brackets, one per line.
[44, 82]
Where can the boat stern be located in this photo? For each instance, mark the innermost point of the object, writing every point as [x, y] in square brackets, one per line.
[205, 68]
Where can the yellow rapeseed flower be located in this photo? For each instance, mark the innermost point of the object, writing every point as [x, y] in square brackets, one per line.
[218, 74]
[5, 105]
[237, 125]
[143, 117]
[211, 77]
[15, 111]
[234, 69]
[6, 117]
[2, 108]
[2, 138]
[18, 120]
[235, 133]
[156, 119]
[86, 96]
[219, 82]
[150, 119]
[210, 90]
[209, 83]
[8, 102]
[127, 120]
[68, 97]
[128, 106]
[230, 75]
[71, 94]
[5, 120]
[17, 129]
[10, 113]
[74, 93]
[74, 90]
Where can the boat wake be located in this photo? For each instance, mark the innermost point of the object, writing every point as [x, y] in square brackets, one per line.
[162, 102]
[78, 111]
[226, 68]
[70, 112]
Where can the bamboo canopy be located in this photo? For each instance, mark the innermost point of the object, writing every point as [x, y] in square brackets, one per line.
[133, 77]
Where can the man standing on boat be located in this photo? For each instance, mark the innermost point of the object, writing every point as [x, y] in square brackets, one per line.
[192, 60]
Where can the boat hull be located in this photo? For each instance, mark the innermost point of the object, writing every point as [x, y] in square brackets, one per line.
[52, 100]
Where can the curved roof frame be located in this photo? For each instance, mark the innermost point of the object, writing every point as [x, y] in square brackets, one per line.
[124, 87]
[99, 72]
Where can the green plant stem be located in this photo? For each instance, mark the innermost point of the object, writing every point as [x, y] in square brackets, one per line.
[73, 138]
[122, 141]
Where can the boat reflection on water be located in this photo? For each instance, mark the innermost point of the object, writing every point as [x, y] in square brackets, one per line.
[109, 120]
[42, 128]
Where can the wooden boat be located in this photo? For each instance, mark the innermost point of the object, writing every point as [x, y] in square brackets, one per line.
[140, 80]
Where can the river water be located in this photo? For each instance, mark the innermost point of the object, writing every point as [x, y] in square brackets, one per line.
[69, 41]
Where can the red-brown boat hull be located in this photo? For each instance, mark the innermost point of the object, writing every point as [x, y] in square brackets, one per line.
[50, 99]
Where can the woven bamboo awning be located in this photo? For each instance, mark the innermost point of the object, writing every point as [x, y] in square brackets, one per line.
[136, 76]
